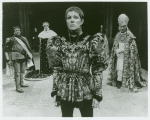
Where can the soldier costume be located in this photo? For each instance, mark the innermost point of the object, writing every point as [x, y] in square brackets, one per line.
[18, 53]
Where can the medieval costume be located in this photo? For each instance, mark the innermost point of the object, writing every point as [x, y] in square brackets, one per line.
[44, 36]
[125, 66]
[78, 67]
[78, 61]
[17, 50]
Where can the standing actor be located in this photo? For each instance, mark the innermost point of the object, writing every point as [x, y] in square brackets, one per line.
[18, 53]
[125, 67]
[78, 61]
[44, 36]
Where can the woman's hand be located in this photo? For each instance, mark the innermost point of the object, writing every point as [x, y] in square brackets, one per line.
[95, 104]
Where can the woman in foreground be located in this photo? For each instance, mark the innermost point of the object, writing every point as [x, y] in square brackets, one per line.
[78, 62]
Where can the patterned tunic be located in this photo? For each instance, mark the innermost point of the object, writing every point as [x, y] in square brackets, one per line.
[131, 74]
[78, 66]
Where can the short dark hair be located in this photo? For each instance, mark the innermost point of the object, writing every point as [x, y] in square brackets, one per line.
[76, 9]
[16, 27]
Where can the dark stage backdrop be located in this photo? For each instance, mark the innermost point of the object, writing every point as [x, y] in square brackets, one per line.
[95, 15]
[54, 13]
[137, 13]
[10, 19]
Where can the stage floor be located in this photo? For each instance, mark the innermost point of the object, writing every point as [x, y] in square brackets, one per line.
[37, 102]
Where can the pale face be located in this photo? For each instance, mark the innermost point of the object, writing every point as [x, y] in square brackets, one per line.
[17, 32]
[123, 27]
[73, 20]
[46, 27]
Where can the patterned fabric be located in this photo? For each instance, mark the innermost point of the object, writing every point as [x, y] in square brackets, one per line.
[44, 36]
[78, 66]
[131, 75]
[44, 67]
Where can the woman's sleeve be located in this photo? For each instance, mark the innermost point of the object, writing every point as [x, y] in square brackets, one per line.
[99, 53]
[54, 59]
[99, 56]
[112, 62]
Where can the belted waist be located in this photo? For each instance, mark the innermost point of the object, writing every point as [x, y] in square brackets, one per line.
[71, 72]
[75, 72]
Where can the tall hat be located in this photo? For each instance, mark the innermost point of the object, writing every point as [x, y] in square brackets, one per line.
[123, 19]
[45, 23]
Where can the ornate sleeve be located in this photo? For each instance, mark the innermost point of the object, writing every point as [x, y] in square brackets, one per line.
[99, 52]
[112, 61]
[99, 55]
[134, 50]
[54, 59]
[135, 63]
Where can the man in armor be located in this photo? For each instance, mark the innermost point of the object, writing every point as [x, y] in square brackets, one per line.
[18, 53]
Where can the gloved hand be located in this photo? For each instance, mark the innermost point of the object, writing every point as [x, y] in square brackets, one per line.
[53, 93]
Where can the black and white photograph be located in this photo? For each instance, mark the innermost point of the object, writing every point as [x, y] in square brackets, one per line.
[74, 59]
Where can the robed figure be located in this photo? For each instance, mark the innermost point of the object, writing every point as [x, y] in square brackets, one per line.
[44, 36]
[125, 67]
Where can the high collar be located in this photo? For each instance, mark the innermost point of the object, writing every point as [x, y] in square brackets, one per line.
[83, 35]
[46, 30]
[75, 32]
